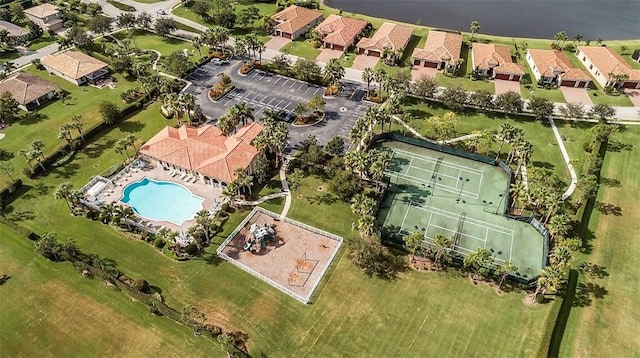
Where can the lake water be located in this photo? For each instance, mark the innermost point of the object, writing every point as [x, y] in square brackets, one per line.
[593, 19]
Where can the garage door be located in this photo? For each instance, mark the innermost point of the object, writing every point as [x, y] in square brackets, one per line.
[416, 62]
[431, 64]
[629, 84]
[338, 47]
[360, 50]
[374, 53]
[583, 84]
[568, 83]
[286, 35]
[502, 76]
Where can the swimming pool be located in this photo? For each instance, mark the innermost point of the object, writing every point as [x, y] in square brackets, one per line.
[162, 200]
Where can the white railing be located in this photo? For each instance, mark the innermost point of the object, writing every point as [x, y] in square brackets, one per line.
[277, 285]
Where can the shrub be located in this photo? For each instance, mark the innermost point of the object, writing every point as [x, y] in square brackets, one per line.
[158, 242]
[191, 249]
[141, 285]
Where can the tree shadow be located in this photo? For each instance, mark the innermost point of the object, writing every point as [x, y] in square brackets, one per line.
[608, 209]
[593, 270]
[617, 146]
[66, 171]
[610, 182]
[42, 188]
[32, 118]
[586, 292]
[131, 127]
[24, 215]
[210, 258]
[96, 149]
[546, 165]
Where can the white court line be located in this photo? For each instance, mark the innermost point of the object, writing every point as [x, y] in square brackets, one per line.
[486, 236]
[476, 222]
[462, 234]
[439, 174]
[442, 187]
[446, 163]
[405, 215]
[409, 167]
[429, 223]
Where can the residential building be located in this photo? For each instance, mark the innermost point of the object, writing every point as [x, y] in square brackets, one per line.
[494, 61]
[389, 37]
[554, 67]
[77, 67]
[15, 32]
[608, 67]
[204, 152]
[293, 21]
[47, 16]
[28, 90]
[340, 33]
[441, 49]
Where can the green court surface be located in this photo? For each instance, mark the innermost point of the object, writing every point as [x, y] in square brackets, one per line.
[439, 193]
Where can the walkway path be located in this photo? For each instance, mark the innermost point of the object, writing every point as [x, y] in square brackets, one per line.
[261, 200]
[413, 131]
[567, 160]
[459, 139]
[285, 188]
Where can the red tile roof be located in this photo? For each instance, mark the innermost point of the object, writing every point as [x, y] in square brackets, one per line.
[498, 57]
[440, 46]
[204, 149]
[550, 62]
[609, 61]
[388, 36]
[340, 30]
[295, 18]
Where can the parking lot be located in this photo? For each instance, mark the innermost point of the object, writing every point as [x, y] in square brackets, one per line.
[264, 91]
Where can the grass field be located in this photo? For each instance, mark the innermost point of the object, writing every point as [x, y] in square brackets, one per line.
[347, 304]
[545, 148]
[604, 320]
[44, 41]
[146, 40]
[49, 307]
[466, 83]
[80, 101]
[301, 48]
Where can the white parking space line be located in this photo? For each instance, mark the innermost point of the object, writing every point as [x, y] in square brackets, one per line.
[293, 84]
[273, 99]
[278, 80]
[317, 89]
[278, 105]
[300, 86]
[286, 80]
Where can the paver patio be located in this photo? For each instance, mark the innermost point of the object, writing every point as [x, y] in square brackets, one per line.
[361, 62]
[328, 54]
[276, 43]
[503, 86]
[419, 71]
[576, 95]
[634, 96]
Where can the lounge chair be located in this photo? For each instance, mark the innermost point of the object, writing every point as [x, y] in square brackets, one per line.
[182, 176]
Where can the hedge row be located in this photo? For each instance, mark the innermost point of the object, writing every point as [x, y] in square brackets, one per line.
[549, 325]
[7, 193]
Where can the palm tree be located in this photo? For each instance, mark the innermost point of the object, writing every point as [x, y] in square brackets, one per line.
[121, 147]
[560, 256]
[78, 124]
[518, 191]
[206, 223]
[197, 44]
[550, 278]
[226, 124]
[131, 140]
[334, 72]
[27, 157]
[63, 191]
[559, 226]
[243, 180]
[8, 68]
[475, 27]
[65, 133]
[412, 242]
[505, 133]
[441, 250]
[577, 38]
[504, 270]
[36, 152]
[368, 76]
[244, 112]
[240, 47]
[379, 76]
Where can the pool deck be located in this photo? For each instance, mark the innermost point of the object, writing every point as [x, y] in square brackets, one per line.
[113, 193]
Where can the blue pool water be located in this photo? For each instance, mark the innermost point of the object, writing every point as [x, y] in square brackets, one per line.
[162, 200]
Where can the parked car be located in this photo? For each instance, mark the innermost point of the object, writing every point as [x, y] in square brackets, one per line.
[161, 12]
[219, 62]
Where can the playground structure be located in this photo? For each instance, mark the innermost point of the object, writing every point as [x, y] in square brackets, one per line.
[259, 235]
[295, 268]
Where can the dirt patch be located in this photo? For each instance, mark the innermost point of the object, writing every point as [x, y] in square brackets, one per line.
[293, 257]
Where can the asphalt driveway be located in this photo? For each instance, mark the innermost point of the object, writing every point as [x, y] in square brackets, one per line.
[262, 91]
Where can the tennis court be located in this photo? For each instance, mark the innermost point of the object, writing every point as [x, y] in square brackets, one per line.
[462, 199]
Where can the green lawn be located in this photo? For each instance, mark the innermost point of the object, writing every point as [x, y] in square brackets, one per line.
[148, 1]
[49, 307]
[146, 40]
[604, 319]
[545, 149]
[554, 95]
[347, 59]
[575, 134]
[599, 97]
[6, 56]
[301, 48]
[347, 305]
[81, 100]
[44, 41]
[465, 83]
